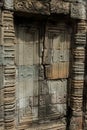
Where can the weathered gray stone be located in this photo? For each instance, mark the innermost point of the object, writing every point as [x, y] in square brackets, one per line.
[32, 6]
[76, 123]
[59, 7]
[78, 11]
[8, 4]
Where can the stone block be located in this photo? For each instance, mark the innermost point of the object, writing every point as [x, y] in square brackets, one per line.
[76, 123]
[59, 7]
[8, 4]
[78, 11]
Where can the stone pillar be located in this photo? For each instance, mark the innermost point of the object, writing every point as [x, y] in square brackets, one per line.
[1, 78]
[78, 76]
[8, 37]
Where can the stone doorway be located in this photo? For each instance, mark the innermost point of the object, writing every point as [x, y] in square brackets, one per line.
[42, 73]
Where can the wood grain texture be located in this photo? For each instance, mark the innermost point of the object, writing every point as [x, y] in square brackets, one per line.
[27, 62]
[57, 70]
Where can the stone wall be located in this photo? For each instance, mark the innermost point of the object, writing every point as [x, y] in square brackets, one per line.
[75, 10]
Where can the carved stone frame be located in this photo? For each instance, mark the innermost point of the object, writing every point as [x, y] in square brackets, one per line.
[77, 79]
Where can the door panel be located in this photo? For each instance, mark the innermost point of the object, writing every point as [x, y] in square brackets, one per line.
[41, 89]
[56, 60]
[56, 54]
[27, 61]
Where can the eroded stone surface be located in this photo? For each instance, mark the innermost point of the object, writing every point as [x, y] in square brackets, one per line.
[78, 11]
[59, 7]
[32, 6]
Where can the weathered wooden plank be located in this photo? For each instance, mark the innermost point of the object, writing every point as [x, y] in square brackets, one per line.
[27, 60]
[56, 53]
[57, 70]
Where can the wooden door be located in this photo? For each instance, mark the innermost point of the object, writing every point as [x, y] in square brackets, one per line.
[27, 61]
[41, 88]
[56, 61]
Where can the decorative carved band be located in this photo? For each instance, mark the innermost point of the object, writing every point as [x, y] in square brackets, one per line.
[32, 6]
[42, 7]
[78, 76]
[9, 70]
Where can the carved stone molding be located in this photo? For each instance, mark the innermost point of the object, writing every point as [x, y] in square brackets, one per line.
[8, 4]
[59, 7]
[76, 8]
[32, 6]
